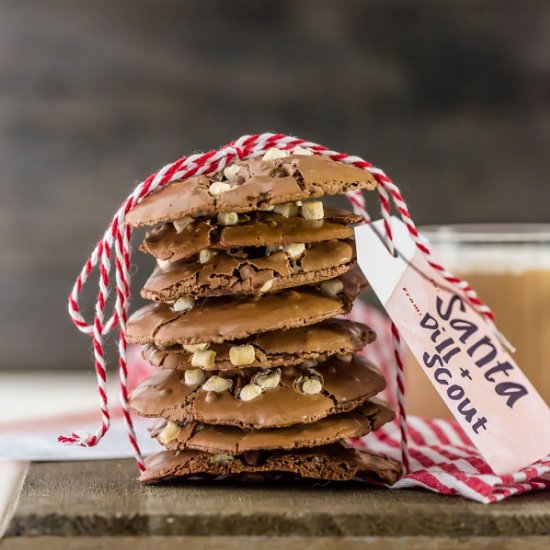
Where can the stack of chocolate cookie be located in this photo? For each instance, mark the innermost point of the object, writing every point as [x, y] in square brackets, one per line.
[257, 374]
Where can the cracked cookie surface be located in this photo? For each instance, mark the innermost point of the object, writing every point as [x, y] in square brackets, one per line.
[345, 385]
[254, 229]
[275, 349]
[368, 417]
[258, 185]
[230, 318]
[236, 274]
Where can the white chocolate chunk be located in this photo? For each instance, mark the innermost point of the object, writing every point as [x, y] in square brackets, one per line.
[181, 223]
[309, 385]
[249, 392]
[205, 255]
[163, 264]
[194, 347]
[313, 210]
[194, 377]
[266, 286]
[345, 357]
[228, 218]
[231, 171]
[218, 187]
[217, 384]
[294, 250]
[274, 154]
[242, 355]
[332, 287]
[287, 209]
[203, 358]
[184, 303]
[301, 151]
[308, 364]
[169, 432]
[220, 458]
[268, 379]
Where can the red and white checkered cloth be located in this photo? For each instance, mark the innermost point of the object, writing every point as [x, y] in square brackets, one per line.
[442, 457]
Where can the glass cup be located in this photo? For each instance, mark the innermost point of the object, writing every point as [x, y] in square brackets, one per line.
[509, 267]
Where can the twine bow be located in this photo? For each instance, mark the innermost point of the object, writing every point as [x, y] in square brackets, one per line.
[115, 248]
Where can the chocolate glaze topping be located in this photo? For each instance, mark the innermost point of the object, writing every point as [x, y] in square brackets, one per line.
[346, 385]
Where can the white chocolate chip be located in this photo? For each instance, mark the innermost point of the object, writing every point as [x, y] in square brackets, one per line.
[298, 203]
[266, 286]
[303, 152]
[268, 208]
[163, 264]
[203, 358]
[294, 250]
[228, 218]
[249, 392]
[242, 355]
[194, 377]
[184, 303]
[218, 187]
[332, 287]
[205, 255]
[309, 385]
[308, 364]
[267, 379]
[194, 347]
[286, 209]
[221, 458]
[313, 210]
[274, 154]
[169, 432]
[231, 171]
[181, 223]
[345, 357]
[217, 384]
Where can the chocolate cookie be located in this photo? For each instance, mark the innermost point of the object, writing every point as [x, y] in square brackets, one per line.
[274, 398]
[222, 274]
[274, 349]
[332, 462]
[256, 185]
[225, 318]
[255, 229]
[368, 417]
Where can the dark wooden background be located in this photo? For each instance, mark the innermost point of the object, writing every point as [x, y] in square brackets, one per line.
[451, 98]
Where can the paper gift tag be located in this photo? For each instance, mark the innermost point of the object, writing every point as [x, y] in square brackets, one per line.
[476, 377]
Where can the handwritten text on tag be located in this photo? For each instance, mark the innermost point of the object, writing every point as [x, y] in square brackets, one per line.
[490, 397]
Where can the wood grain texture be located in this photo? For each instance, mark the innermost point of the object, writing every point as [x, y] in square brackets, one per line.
[103, 498]
[274, 543]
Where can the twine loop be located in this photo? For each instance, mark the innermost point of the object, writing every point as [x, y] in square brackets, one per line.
[113, 253]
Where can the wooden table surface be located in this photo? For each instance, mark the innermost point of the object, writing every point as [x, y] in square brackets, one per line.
[100, 504]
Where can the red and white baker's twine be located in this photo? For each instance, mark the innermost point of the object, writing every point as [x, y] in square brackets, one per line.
[118, 236]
